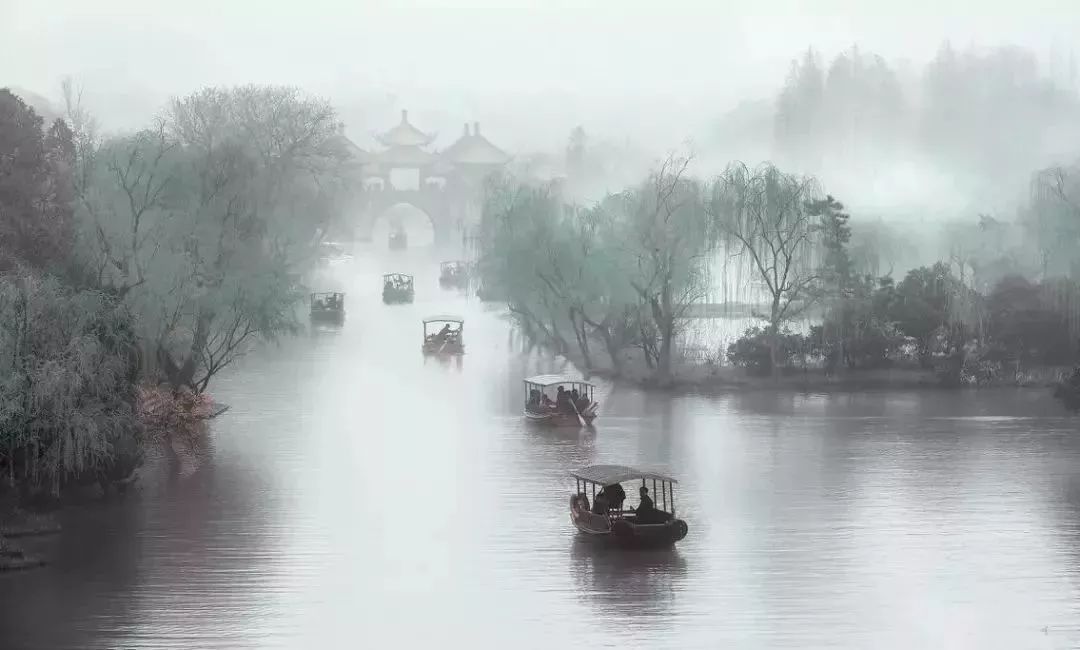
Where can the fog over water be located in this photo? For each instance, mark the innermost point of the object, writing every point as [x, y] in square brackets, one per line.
[354, 488]
[359, 494]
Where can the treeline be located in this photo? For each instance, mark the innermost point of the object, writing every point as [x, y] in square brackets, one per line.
[135, 268]
[984, 113]
[617, 281]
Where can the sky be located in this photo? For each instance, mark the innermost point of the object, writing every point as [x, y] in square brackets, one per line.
[531, 70]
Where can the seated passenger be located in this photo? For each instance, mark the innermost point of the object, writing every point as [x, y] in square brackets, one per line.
[616, 495]
[601, 505]
[646, 512]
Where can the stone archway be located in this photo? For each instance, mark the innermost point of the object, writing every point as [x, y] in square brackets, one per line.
[431, 201]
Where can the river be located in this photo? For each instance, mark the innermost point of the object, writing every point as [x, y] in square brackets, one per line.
[356, 495]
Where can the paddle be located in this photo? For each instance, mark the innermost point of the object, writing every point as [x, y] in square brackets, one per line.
[580, 419]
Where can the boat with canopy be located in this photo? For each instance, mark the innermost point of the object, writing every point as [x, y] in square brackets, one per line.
[329, 306]
[453, 274]
[560, 401]
[443, 334]
[653, 523]
[397, 288]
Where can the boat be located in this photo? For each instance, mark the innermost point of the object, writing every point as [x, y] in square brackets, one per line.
[328, 306]
[398, 240]
[453, 274]
[447, 338]
[542, 401]
[613, 523]
[397, 288]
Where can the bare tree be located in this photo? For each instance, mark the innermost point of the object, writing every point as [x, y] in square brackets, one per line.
[664, 252]
[763, 213]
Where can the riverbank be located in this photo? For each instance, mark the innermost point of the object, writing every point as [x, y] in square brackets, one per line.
[696, 375]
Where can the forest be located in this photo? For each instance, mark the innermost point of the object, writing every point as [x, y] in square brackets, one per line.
[134, 268]
[615, 281]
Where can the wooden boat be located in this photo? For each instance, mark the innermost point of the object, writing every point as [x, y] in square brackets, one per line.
[612, 522]
[543, 404]
[444, 335]
[453, 274]
[328, 306]
[397, 288]
[398, 240]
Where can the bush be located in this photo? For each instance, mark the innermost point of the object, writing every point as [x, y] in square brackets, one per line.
[66, 401]
[751, 350]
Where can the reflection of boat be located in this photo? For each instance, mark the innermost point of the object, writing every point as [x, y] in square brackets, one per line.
[609, 522]
[541, 406]
[398, 240]
[448, 339]
[397, 287]
[453, 274]
[328, 306]
[633, 581]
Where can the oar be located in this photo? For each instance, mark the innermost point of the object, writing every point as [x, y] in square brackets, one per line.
[580, 419]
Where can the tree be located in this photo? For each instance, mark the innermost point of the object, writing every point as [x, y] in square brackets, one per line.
[66, 384]
[194, 223]
[664, 252]
[35, 197]
[763, 213]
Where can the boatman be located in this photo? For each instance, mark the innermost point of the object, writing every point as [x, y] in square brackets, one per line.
[645, 510]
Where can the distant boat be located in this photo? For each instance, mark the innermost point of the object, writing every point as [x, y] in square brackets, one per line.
[397, 288]
[453, 274]
[446, 340]
[398, 240]
[615, 524]
[542, 403]
[328, 306]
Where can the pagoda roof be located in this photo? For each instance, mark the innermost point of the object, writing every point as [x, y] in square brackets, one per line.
[405, 156]
[340, 146]
[405, 134]
[474, 149]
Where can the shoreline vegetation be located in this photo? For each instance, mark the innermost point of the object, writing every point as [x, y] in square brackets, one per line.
[134, 268]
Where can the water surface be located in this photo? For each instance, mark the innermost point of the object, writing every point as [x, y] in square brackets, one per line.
[358, 495]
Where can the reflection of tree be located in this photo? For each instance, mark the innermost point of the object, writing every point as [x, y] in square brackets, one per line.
[628, 583]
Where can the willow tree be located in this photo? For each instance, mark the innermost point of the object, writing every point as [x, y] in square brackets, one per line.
[763, 214]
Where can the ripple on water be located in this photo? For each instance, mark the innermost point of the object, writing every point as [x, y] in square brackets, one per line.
[356, 496]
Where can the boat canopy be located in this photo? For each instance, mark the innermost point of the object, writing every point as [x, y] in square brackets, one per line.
[443, 318]
[327, 293]
[554, 380]
[453, 264]
[387, 276]
[611, 474]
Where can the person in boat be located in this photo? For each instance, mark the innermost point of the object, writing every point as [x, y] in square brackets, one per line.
[646, 510]
[534, 399]
[583, 402]
[574, 396]
[546, 400]
[601, 505]
[616, 496]
[562, 401]
[443, 333]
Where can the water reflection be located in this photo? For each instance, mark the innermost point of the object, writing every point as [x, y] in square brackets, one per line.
[359, 494]
[626, 584]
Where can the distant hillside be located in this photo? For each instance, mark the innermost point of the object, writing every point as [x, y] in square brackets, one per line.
[42, 106]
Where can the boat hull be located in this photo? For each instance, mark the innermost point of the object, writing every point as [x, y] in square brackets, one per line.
[560, 419]
[397, 297]
[623, 532]
[439, 349]
[328, 315]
